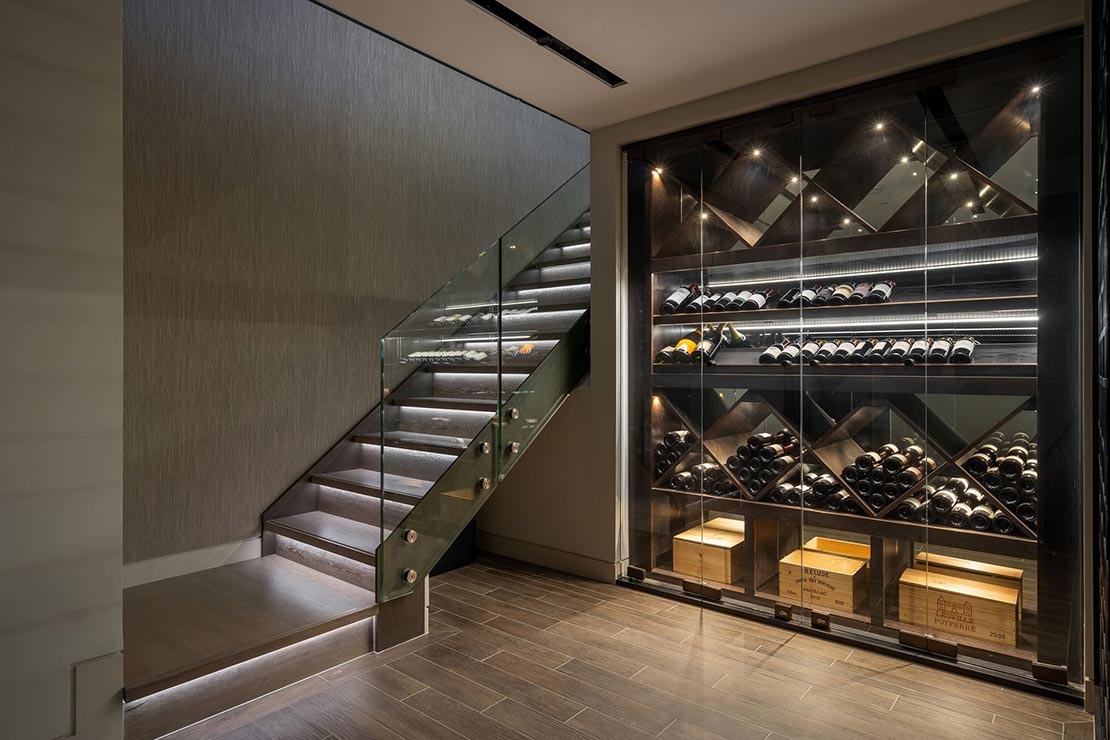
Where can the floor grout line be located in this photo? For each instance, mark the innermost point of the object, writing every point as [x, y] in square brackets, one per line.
[493, 655]
[424, 688]
[806, 692]
[568, 719]
[896, 701]
[722, 678]
[637, 673]
[669, 726]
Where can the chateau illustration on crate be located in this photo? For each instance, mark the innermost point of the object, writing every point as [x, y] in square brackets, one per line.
[838, 383]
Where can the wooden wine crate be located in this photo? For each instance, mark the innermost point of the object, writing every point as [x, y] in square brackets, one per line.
[823, 579]
[959, 606]
[839, 547]
[973, 570]
[711, 551]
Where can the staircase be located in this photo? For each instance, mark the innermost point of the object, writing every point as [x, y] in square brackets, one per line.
[468, 380]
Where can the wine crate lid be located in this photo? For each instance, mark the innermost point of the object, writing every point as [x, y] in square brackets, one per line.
[969, 566]
[726, 524]
[959, 586]
[710, 537]
[839, 547]
[816, 559]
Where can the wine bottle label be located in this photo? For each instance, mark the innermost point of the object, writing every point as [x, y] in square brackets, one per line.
[759, 299]
[686, 345]
[920, 346]
[964, 345]
[810, 347]
[941, 346]
[809, 294]
[901, 346]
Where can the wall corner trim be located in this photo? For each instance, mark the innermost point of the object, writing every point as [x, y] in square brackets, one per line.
[97, 703]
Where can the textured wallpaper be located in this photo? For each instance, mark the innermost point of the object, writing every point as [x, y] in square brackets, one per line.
[294, 184]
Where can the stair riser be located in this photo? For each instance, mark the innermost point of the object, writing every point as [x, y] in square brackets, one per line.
[569, 294]
[579, 271]
[336, 566]
[472, 385]
[361, 508]
[409, 463]
[213, 693]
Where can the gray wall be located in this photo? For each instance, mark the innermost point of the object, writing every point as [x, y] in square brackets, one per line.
[562, 505]
[61, 369]
[296, 184]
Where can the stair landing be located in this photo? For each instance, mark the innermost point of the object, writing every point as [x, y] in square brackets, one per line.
[192, 625]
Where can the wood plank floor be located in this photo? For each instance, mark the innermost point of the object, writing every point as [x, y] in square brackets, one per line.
[518, 652]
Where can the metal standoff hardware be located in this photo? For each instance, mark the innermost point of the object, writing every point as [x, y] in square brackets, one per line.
[485, 483]
[514, 447]
[514, 413]
[410, 536]
[410, 575]
[485, 448]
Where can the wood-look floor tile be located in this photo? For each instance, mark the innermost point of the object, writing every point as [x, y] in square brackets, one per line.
[253, 710]
[461, 579]
[286, 724]
[647, 650]
[586, 606]
[531, 723]
[473, 695]
[493, 581]
[506, 684]
[405, 720]
[603, 727]
[464, 720]
[472, 646]
[1028, 730]
[606, 658]
[501, 608]
[370, 661]
[1079, 730]
[501, 640]
[932, 717]
[248, 732]
[558, 612]
[781, 719]
[706, 718]
[460, 608]
[683, 730]
[389, 680]
[637, 715]
[338, 718]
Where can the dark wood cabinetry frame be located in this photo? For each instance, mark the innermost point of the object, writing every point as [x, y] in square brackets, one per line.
[1052, 383]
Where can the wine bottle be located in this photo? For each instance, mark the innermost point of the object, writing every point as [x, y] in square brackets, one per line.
[789, 298]
[735, 303]
[862, 348]
[790, 354]
[823, 295]
[908, 509]
[959, 485]
[720, 301]
[683, 481]
[771, 355]
[805, 299]
[892, 491]
[909, 477]
[684, 350]
[809, 349]
[940, 350]
[851, 474]
[677, 437]
[825, 352]
[878, 476]
[1002, 523]
[665, 356]
[824, 484]
[679, 298]
[992, 479]
[863, 485]
[876, 501]
[662, 450]
[844, 350]
[732, 338]
[778, 493]
[1027, 511]
[859, 295]
[942, 501]
[960, 516]
[706, 351]
[962, 351]
[744, 452]
[869, 460]
[771, 451]
[878, 350]
[699, 304]
[919, 350]
[898, 350]
[841, 295]
[1027, 483]
[978, 463]
[880, 292]
[760, 439]
[758, 299]
[779, 465]
[980, 518]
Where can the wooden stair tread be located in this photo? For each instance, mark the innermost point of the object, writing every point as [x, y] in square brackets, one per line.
[417, 441]
[567, 283]
[337, 534]
[360, 480]
[181, 628]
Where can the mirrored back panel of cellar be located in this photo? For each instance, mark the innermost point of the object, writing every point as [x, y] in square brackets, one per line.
[855, 397]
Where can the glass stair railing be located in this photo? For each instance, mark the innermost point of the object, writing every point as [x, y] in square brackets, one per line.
[470, 378]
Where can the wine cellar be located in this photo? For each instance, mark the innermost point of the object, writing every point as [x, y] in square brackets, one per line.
[853, 400]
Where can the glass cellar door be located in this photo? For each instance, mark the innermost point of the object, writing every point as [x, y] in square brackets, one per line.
[843, 416]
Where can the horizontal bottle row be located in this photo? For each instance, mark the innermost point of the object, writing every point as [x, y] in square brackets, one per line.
[697, 299]
[906, 351]
[700, 346]
[461, 356]
[488, 314]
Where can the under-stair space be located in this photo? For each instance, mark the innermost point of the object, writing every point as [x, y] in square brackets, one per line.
[200, 643]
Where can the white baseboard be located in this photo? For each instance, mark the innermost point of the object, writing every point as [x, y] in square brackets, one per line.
[178, 564]
[549, 557]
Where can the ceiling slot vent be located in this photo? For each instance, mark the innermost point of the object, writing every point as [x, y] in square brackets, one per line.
[545, 39]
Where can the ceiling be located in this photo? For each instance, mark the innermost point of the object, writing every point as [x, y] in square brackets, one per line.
[669, 51]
